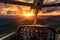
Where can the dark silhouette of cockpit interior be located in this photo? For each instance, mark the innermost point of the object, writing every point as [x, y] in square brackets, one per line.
[33, 32]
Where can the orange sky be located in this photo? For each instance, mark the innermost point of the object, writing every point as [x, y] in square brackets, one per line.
[54, 13]
[24, 8]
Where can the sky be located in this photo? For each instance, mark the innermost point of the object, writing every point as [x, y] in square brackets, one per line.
[6, 7]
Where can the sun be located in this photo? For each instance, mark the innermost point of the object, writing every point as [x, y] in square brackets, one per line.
[28, 14]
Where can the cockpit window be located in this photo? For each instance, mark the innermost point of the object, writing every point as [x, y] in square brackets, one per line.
[21, 15]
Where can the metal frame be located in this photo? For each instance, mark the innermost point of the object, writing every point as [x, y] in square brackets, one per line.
[21, 29]
[28, 4]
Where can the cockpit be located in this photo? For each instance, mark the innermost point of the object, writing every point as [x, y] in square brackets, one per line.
[29, 19]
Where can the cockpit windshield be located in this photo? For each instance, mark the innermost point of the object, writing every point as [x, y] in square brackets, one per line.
[12, 15]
